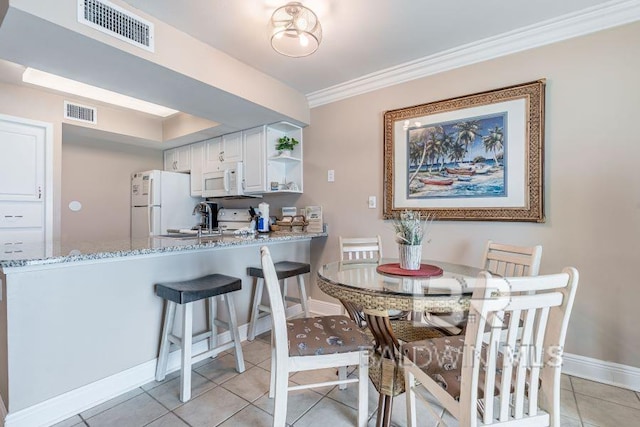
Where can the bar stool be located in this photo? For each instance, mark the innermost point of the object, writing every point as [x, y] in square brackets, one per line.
[186, 293]
[284, 270]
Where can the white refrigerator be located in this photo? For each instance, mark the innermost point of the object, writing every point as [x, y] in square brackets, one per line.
[161, 200]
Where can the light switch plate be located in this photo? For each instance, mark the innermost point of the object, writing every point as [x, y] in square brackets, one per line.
[331, 175]
[372, 202]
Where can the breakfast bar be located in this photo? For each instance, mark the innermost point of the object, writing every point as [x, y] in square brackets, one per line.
[82, 324]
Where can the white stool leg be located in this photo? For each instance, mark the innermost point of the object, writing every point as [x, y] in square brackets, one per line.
[233, 330]
[167, 329]
[187, 338]
[303, 295]
[342, 376]
[212, 308]
[258, 285]
[284, 283]
[363, 389]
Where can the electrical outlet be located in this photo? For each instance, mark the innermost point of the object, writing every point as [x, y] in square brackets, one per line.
[331, 175]
[372, 202]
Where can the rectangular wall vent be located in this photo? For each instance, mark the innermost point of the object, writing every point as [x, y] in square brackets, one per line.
[81, 113]
[117, 22]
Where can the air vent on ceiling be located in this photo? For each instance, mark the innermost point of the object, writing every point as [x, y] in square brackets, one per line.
[116, 21]
[81, 113]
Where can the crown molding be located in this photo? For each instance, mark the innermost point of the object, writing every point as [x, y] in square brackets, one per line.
[586, 21]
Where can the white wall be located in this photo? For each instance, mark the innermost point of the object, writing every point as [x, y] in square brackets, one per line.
[592, 192]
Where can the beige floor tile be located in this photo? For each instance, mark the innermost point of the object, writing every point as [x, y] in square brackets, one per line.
[605, 392]
[316, 376]
[569, 422]
[111, 403]
[249, 385]
[328, 412]
[266, 365]
[256, 351]
[210, 408]
[249, 416]
[136, 412]
[168, 394]
[70, 422]
[298, 402]
[568, 407]
[399, 412]
[154, 384]
[169, 420]
[565, 382]
[349, 396]
[220, 369]
[606, 414]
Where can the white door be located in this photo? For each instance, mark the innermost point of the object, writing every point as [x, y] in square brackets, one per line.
[26, 178]
[255, 160]
[22, 162]
[232, 147]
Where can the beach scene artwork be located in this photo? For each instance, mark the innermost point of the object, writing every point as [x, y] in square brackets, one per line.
[457, 159]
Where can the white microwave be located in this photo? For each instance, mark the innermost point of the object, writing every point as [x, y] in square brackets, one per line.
[228, 181]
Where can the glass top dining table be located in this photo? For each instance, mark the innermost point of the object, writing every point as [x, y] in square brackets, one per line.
[362, 284]
[369, 290]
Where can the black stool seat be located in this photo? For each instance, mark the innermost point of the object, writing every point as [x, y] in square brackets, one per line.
[187, 291]
[284, 269]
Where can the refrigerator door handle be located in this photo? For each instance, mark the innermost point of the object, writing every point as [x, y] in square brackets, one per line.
[150, 200]
[150, 213]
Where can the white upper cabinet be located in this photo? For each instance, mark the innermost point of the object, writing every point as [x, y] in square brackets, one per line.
[197, 162]
[178, 159]
[212, 156]
[255, 160]
[231, 147]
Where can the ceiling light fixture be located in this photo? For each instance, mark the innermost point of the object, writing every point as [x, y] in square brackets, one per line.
[295, 30]
[62, 84]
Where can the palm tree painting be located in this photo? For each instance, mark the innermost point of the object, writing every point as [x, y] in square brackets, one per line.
[461, 158]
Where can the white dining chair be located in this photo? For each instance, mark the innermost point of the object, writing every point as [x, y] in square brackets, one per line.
[498, 259]
[311, 343]
[361, 249]
[514, 379]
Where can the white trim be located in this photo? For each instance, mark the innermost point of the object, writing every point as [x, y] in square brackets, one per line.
[596, 18]
[75, 401]
[615, 374]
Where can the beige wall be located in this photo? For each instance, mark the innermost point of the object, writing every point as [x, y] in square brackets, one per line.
[103, 188]
[592, 189]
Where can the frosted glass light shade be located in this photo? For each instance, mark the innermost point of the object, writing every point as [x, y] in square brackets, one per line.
[295, 30]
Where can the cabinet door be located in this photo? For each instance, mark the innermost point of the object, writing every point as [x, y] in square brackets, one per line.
[22, 149]
[212, 156]
[231, 148]
[183, 159]
[197, 160]
[255, 160]
[170, 162]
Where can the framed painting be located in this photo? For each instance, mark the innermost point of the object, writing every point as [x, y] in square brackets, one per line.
[477, 157]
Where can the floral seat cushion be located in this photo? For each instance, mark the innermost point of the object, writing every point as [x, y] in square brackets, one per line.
[441, 359]
[325, 335]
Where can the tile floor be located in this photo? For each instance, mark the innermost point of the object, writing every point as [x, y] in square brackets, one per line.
[222, 397]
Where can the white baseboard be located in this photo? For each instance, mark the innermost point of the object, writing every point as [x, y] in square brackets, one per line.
[615, 374]
[75, 401]
[324, 308]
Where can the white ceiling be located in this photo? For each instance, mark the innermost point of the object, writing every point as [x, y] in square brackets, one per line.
[360, 36]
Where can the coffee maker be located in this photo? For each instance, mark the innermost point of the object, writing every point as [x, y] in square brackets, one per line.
[209, 215]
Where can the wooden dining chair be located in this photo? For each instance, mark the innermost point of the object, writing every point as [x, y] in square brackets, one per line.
[361, 249]
[499, 259]
[514, 378]
[310, 343]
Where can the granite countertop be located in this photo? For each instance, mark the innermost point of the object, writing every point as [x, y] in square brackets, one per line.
[58, 252]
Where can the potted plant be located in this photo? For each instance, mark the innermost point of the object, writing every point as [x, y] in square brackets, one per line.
[411, 228]
[285, 144]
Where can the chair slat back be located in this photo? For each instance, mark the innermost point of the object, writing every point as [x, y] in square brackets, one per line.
[515, 359]
[512, 261]
[360, 249]
[278, 316]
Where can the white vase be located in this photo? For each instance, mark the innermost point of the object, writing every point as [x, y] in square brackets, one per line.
[410, 256]
[285, 153]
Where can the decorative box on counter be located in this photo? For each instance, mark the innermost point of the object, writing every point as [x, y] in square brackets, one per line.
[296, 223]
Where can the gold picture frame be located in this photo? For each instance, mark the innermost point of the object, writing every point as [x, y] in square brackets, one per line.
[478, 157]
